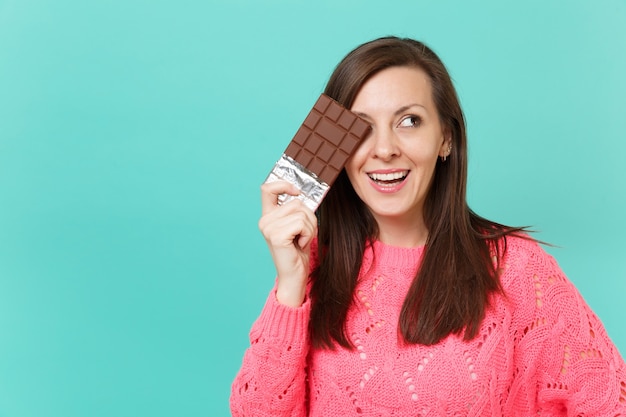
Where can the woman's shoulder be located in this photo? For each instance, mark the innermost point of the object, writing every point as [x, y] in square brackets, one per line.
[535, 283]
[526, 269]
[522, 252]
[521, 244]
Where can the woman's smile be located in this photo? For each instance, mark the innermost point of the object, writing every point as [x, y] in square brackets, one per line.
[388, 181]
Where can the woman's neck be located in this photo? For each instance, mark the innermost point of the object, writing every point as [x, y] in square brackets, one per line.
[396, 232]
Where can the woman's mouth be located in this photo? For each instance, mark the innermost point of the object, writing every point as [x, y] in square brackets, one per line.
[388, 179]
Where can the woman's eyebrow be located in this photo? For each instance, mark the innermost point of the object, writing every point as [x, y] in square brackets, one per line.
[396, 113]
[407, 107]
[362, 115]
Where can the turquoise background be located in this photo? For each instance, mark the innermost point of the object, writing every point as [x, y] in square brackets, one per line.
[134, 136]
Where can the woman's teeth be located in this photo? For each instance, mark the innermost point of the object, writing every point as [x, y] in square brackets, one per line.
[387, 178]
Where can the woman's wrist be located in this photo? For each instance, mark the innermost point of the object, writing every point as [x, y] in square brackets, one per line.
[291, 296]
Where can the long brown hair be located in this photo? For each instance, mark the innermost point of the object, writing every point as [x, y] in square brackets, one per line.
[451, 290]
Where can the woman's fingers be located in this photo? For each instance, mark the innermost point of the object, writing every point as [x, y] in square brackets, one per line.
[289, 223]
[270, 193]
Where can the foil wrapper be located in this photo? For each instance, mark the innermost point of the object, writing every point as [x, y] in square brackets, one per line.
[312, 189]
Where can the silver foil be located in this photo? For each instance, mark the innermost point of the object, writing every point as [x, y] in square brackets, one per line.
[312, 189]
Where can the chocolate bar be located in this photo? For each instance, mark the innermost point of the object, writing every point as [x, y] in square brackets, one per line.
[319, 150]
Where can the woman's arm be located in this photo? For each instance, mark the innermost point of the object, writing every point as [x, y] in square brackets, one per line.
[272, 378]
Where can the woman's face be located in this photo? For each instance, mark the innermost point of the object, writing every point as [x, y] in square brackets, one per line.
[392, 169]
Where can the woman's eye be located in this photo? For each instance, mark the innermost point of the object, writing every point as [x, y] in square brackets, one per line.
[410, 121]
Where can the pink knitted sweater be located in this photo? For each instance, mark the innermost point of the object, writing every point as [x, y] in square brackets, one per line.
[540, 351]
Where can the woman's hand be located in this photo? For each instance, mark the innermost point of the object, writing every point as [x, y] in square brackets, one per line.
[289, 230]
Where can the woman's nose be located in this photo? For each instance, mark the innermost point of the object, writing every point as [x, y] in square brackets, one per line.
[385, 144]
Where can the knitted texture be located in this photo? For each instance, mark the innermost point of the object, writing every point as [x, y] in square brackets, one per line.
[540, 351]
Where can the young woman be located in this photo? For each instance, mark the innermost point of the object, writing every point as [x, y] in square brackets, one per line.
[395, 299]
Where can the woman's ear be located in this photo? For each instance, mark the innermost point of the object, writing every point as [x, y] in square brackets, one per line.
[446, 145]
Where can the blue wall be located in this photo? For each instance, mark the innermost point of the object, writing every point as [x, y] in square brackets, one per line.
[134, 136]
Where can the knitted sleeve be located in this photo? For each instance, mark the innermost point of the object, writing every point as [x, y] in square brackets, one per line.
[271, 380]
[562, 348]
